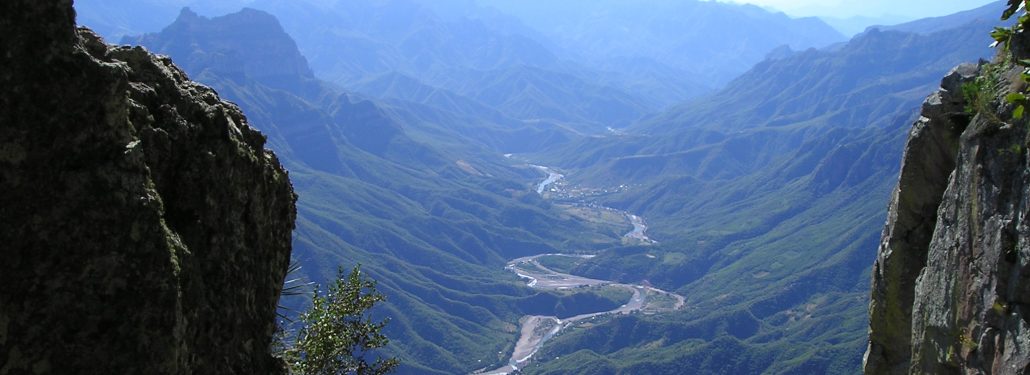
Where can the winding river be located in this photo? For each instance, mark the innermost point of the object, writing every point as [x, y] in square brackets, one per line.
[552, 177]
[536, 329]
[639, 229]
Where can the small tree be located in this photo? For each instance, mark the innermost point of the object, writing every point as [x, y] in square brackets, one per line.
[336, 335]
[1003, 37]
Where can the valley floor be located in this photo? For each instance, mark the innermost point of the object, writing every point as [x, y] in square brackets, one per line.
[536, 330]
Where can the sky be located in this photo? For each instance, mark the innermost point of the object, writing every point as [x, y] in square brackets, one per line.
[869, 8]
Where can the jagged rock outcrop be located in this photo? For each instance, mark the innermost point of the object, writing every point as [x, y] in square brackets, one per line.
[249, 44]
[951, 283]
[144, 227]
[929, 158]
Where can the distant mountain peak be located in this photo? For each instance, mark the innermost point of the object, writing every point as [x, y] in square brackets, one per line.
[187, 14]
[247, 44]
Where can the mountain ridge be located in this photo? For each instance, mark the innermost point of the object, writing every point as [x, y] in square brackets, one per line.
[748, 214]
[762, 197]
[434, 231]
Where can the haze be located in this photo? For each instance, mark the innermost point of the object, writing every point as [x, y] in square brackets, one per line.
[872, 8]
[548, 186]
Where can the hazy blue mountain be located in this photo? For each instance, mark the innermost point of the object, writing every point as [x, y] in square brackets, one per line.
[536, 94]
[850, 26]
[766, 196]
[349, 41]
[767, 199]
[442, 42]
[658, 84]
[116, 19]
[433, 224]
[253, 36]
[838, 84]
[457, 121]
[403, 87]
[718, 42]
[785, 124]
[113, 20]
[872, 81]
[532, 95]
[988, 13]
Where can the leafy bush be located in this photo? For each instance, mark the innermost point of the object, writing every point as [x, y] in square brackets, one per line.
[1003, 36]
[336, 336]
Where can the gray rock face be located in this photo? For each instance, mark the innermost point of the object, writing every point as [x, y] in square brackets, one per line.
[969, 313]
[144, 227]
[951, 283]
[928, 160]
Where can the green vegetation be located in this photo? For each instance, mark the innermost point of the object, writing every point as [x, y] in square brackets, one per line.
[613, 293]
[745, 196]
[336, 335]
[1003, 36]
[978, 93]
[434, 236]
[576, 301]
[657, 302]
[768, 215]
[792, 342]
[564, 264]
[437, 248]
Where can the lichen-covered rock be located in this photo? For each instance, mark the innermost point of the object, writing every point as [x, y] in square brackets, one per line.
[143, 227]
[951, 283]
[928, 160]
[970, 308]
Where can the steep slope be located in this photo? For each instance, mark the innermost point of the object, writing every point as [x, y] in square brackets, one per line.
[873, 81]
[248, 56]
[474, 55]
[536, 94]
[348, 41]
[813, 102]
[764, 214]
[949, 283]
[929, 159]
[145, 227]
[517, 96]
[744, 190]
[900, 63]
[379, 185]
[456, 44]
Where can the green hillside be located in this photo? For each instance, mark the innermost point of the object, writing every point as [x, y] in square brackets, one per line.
[766, 211]
[415, 133]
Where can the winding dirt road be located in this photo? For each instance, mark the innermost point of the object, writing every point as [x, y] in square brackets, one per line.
[536, 330]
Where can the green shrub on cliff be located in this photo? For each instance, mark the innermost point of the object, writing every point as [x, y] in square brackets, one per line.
[1003, 37]
[336, 335]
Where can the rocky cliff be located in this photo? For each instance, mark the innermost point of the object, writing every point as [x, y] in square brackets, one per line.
[144, 227]
[951, 282]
